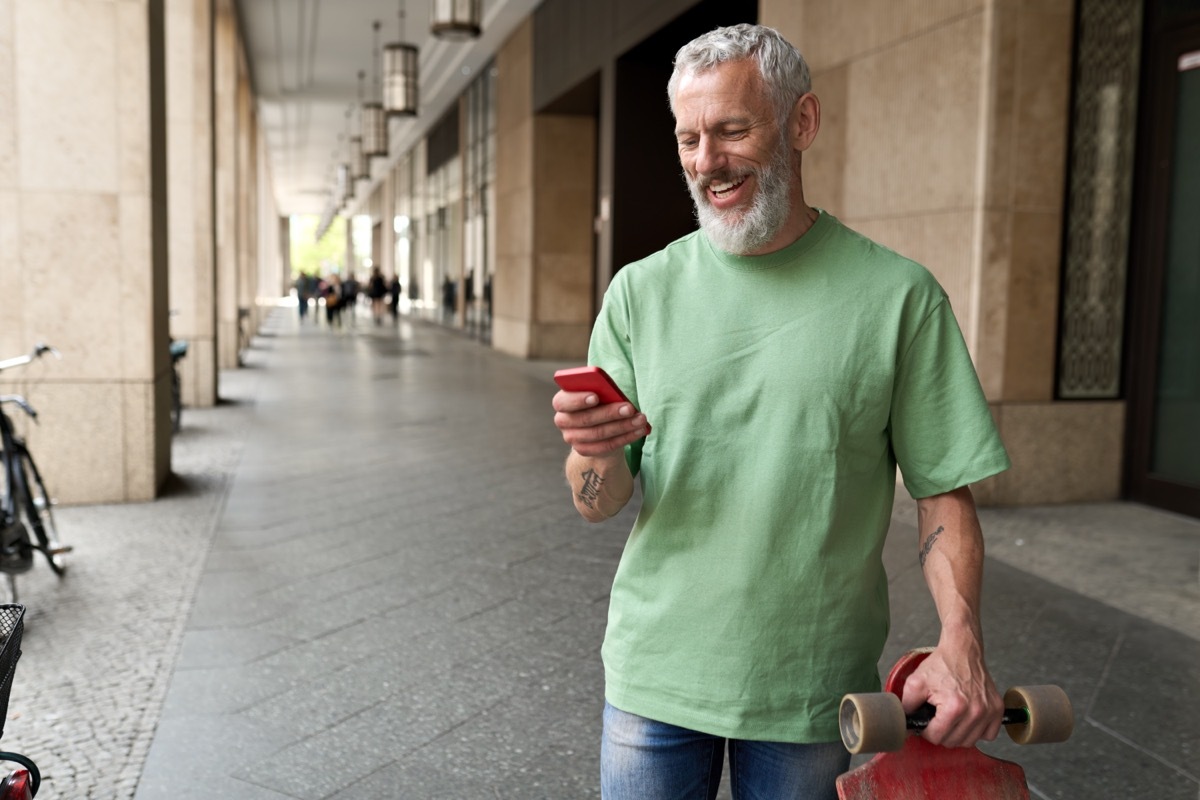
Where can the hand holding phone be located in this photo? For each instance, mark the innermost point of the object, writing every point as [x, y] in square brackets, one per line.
[597, 431]
[590, 379]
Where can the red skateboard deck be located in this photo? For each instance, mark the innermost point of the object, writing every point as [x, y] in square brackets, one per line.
[920, 770]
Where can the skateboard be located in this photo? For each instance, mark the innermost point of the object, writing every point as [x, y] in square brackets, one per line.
[908, 767]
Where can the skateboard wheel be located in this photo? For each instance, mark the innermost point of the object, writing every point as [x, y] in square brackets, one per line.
[1050, 716]
[872, 723]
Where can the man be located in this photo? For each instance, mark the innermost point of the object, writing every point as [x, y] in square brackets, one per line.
[787, 365]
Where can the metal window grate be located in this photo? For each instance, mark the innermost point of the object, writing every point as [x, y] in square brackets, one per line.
[1104, 121]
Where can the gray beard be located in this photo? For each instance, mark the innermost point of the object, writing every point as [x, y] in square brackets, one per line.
[758, 224]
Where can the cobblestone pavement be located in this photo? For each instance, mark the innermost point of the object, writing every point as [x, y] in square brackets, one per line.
[404, 605]
[100, 644]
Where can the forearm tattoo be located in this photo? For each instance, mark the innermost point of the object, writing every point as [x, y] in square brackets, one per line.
[590, 492]
[924, 554]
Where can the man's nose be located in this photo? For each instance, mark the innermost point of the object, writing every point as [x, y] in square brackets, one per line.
[710, 157]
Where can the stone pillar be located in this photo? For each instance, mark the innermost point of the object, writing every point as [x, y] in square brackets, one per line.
[545, 192]
[225, 132]
[247, 206]
[273, 257]
[83, 254]
[387, 231]
[189, 150]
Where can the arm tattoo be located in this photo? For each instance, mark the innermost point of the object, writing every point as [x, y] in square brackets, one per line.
[591, 488]
[924, 554]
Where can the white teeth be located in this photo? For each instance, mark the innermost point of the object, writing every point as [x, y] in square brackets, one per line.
[724, 186]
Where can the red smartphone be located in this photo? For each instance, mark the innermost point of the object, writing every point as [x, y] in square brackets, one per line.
[590, 379]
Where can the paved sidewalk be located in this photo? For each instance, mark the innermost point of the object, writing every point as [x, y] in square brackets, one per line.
[368, 582]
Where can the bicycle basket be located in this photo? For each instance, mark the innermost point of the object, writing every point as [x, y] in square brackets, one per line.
[11, 627]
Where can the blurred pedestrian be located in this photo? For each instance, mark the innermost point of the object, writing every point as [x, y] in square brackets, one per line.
[333, 301]
[350, 296]
[394, 292]
[376, 291]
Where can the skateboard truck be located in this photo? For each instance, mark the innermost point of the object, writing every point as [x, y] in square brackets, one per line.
[876, 723]
[919, 720]
[912, 767]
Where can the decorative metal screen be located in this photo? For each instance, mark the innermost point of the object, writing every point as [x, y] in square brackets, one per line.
[1104, 121]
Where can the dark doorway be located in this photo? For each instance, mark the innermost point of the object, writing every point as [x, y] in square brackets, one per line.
[1164, 397]
[651, 205]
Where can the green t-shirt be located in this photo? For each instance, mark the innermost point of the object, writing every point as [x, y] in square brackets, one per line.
[782, 391]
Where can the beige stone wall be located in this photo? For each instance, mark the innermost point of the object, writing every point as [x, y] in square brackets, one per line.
[77, 256]
[944, 136]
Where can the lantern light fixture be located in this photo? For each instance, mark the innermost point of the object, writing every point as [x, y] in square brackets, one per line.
[401, 72]
[374, 121]
[457, 20]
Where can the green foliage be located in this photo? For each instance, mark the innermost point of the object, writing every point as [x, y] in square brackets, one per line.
[320, 257]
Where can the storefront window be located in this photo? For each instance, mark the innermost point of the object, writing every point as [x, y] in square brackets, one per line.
[480, 242]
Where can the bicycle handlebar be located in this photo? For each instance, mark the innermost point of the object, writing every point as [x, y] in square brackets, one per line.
[17, 400]
[39, 349]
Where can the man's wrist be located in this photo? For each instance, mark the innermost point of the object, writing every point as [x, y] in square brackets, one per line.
[960, 633]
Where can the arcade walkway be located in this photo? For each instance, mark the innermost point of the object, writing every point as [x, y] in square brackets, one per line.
[367, 581]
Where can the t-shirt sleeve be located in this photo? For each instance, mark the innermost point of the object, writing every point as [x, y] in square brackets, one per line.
[942, 431]
[610, 350]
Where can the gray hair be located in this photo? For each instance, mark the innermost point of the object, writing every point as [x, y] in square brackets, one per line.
[783, 70]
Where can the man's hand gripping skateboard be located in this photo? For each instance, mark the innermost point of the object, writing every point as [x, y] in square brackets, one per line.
[911, 766]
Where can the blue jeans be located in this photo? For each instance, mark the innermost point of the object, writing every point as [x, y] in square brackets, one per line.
[641, 759]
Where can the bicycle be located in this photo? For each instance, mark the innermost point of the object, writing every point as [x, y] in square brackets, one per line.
[26, 502]
[22, 783]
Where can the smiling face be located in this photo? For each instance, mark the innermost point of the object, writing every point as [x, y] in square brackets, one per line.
[738, 163]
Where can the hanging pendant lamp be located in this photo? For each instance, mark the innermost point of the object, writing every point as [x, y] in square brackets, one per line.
[374, 129]
[374, 121]
[400, 76]
[457, 20]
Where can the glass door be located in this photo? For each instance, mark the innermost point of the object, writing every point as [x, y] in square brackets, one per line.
[1175, 454]
[1165, 392]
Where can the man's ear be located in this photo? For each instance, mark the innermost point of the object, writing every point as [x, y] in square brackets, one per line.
[804, 122]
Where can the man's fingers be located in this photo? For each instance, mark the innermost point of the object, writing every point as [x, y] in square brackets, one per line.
[959, 722]
[966, 712]
[608, 436]
[914, 694]
[573, 401]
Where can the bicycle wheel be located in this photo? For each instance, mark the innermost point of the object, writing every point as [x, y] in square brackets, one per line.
[39, 510]
[16, 549]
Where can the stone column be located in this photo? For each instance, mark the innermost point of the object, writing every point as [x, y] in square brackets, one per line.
[83, 254]
[545, 191]
[225, 133]
[189, 150]
[274, 249]
[247, 206]
[387, 231]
